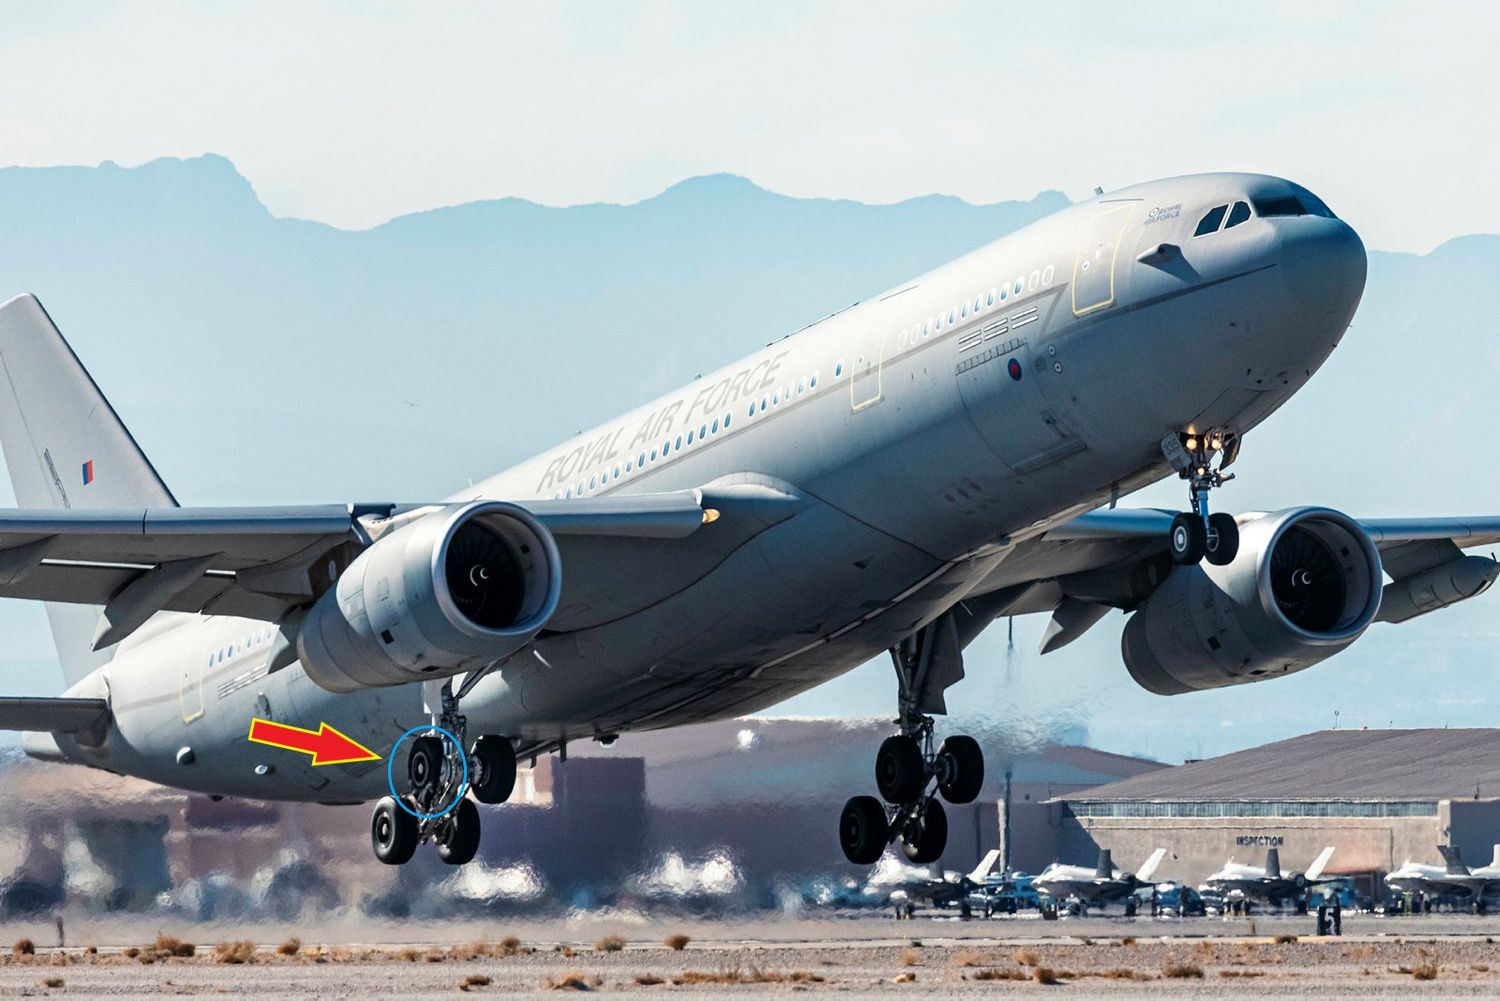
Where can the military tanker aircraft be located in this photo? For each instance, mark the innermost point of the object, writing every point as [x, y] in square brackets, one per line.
[892, 478]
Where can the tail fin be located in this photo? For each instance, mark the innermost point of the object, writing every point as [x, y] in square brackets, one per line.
[1105, 869]
[1453, 861]
[1273, 863]
[65, 448]
[1315, 871]
[986, 866]
[1146, 871]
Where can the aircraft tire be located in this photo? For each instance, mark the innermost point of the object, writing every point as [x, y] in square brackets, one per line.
[863, 831]
[1187, 541]
[497, 769]
[1225, 543]
[930, 841]
[900, 772]
[393, 833]
[458, 840]
[962, 769]
[425, 762]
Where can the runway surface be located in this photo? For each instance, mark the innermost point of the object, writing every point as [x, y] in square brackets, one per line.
[1435, 955]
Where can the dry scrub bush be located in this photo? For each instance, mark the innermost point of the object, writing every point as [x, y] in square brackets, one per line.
[171, 945]
[909, 957]
[235, 953]
[52, 982]
[609, 943]
[23, 947]
[1285, 940]
[999, 975]
[473, 980]
[568, 982]
[677, 942]
[1426, 971]
[1182, 971]
[648, 979]
[904, 978]
[1045, 975]
[1025, 957]
[508, 946]
[965, 957]
[290, 947]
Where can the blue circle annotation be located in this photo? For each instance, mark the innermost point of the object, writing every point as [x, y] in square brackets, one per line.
[390, 779]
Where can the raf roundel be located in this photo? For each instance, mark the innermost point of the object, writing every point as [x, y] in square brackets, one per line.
[1014, 368]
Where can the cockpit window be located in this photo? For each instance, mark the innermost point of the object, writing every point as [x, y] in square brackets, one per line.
[1238, 213]
[1281, 205]
[1210, 222]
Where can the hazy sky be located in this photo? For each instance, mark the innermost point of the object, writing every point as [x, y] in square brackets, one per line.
[353, 112]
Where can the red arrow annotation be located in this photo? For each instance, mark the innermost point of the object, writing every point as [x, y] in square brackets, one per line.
[326, 744]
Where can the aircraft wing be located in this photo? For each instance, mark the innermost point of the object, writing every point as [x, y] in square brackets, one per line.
[258, 562]
[1080, 568]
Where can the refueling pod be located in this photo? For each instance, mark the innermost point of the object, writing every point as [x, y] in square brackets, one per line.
[1305, 584]
[462, 587]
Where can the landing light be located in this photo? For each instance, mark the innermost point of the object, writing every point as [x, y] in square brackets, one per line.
[1192, 444]
[710, 515]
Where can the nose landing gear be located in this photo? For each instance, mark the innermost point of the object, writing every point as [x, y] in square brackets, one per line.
[910, 774]
[439, 775]
[1196, 534]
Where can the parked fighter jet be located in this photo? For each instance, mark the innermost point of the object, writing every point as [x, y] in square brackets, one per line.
[1268, 884]
[1451, 879]
[904, 887]
[1097, 886]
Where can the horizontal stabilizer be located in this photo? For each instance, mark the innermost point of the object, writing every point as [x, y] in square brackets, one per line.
[52, 715]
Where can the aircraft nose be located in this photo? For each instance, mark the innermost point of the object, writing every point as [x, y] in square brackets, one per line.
[1323, 263]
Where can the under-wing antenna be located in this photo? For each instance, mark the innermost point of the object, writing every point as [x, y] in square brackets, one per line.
[1010, 638]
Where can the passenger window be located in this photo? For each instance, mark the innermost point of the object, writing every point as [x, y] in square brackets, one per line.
[1210, 222]
[1238, 214]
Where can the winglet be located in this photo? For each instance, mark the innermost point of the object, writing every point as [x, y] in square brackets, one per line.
[1495, 859]
[986, 866]
[1146, 871]
[1315, 871]
[1453, 861]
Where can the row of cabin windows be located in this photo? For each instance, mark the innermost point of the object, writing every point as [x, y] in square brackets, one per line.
[982, 302]
[779, 396]
[258, 638]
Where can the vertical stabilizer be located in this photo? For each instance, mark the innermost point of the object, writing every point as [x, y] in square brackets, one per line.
[1148, 869]
[1273, 863]
[65, 448]
[1315, 871]
[986, 866]
[1452, 861]
[1106, 866]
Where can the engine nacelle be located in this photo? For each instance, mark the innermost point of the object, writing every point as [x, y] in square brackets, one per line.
[457, 589]
[1305, 584]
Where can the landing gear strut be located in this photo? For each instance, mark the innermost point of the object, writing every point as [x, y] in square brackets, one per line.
[439, 773]
[910, 773]
[1197, 534]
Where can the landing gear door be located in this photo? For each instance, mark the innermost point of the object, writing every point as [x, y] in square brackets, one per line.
[1094, 269]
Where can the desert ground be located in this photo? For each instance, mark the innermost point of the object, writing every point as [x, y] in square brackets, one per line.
[858, 956]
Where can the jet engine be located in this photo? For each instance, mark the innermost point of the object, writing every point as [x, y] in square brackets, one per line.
[1303, 586]
[462, 587]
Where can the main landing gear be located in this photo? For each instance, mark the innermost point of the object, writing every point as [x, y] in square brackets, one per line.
[911, 776]
[1196, 534]
[435, 806]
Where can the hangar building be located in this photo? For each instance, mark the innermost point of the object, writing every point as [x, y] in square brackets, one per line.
[1379, 797]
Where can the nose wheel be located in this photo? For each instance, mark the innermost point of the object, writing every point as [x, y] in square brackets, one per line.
[1197, 534]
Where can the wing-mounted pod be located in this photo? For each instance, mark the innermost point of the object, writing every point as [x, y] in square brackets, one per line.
[463, 586]
[1305, 584]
